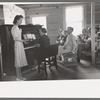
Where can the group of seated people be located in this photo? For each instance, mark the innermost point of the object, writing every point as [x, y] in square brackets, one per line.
[66, 43]
[69, 43]
[84, 41]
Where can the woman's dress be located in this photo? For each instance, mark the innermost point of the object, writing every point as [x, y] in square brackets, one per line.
[20, 56]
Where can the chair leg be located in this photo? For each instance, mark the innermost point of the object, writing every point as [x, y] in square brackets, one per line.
[45, 67]
[96, 57]
[49, 62]
[38, 67]
[56, 63]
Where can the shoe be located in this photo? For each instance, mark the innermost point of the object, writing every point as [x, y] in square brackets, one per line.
[70, 59]
[17, 79]
[23, 79]
[62, 61]
[78, 60]
[34, 68]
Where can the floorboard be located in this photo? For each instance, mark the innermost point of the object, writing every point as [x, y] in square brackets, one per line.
[83, 70]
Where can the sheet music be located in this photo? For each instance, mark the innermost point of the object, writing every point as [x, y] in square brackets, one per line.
[29, 36]
[33, 36]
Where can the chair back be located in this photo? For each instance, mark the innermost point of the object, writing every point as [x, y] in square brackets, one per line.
[51, 50]
[45, 52]
[40, 53]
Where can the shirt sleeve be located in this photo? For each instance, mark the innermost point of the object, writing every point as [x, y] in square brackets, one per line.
[74, 43]
[67, 40]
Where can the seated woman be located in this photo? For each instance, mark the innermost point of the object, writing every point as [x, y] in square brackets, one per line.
[61, 38]
[97, 40]
[82, 38]
[44, 41]
[60, 35]
[86, 46]
[70, 44]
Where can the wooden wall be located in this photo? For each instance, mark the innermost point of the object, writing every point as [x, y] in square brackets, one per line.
[10, 11]
[54, 20]
[1, 16]
[97, 14]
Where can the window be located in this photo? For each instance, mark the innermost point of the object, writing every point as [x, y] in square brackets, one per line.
[74, 18]
[40, 20]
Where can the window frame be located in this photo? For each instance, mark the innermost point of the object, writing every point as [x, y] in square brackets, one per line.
[83, 19]
[39, 15]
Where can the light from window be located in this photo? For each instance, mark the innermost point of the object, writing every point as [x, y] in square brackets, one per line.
[74, 18]
[41, 20]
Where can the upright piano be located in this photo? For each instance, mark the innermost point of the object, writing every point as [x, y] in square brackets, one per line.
[8, 45]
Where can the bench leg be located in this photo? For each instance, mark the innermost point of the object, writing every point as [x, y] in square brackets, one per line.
[45, 68]
[49, 62]
[55, 61]
[38, 67]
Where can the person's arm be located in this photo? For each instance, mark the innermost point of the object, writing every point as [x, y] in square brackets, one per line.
[75, 45]
[17, 39]
[85, 40]
[67, 41]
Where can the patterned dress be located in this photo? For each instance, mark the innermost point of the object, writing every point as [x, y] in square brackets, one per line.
[20, 57]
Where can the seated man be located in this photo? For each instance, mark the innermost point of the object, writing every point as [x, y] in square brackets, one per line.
[70, 43]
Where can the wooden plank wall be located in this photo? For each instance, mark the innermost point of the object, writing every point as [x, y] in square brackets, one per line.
[1, 16]
[54, 20]
[97, 14]
[10, 11]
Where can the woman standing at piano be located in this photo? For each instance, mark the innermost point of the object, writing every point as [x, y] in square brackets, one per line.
[19, 53]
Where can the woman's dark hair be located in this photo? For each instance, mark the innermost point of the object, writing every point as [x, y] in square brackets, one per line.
[17, 17]
[43, 30]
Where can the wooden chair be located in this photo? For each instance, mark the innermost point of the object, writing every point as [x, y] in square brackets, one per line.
[44, 53]
[97, 56]
[51, 53]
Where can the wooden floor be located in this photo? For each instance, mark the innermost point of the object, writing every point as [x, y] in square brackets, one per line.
[83, 70]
